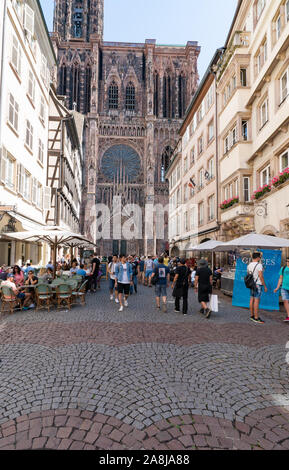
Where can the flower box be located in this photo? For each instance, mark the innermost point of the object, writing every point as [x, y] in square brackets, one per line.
[261, 191]
[229, 203]
[281, 178]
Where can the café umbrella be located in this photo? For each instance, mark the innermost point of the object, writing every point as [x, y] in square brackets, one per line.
[54, 236]
[254, 240]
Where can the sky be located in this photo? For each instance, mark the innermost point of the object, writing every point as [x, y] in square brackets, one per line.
[167, 21]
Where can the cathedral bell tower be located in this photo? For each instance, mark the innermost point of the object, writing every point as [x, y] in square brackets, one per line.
[78, 19]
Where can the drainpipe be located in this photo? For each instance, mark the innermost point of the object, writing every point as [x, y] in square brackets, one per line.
[4, 16]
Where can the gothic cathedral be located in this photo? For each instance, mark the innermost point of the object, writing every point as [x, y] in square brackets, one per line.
[133, 96]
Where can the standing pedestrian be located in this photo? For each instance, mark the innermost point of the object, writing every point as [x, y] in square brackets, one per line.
[203, 285]
[112, 278]
[161, 278]
[135, 271]
[256, 269]
[149, 265]
[123, 274]
[284, 284]
[180, 286]
[94, 273]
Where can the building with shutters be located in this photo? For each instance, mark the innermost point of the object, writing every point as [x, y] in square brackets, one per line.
[27, 59]
[133, 97]
[253, 90]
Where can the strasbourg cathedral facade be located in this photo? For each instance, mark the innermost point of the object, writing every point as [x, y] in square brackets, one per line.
[133, 97]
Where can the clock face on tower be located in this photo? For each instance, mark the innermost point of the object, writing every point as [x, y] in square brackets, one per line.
[121, 161]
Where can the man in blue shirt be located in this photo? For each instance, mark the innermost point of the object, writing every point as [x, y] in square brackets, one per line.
[162, 275]
[81, 271]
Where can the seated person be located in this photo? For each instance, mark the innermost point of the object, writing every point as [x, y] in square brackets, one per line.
[81, 271]
[26, 297]
[48, 276]
[18, 276]
[32, 280]
[74, 268]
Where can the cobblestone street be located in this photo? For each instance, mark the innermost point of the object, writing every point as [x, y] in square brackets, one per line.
[95, 378]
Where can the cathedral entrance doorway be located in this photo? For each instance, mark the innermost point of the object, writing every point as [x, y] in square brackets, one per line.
[119, 247]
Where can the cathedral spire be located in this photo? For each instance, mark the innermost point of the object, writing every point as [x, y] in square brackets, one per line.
[78, 19]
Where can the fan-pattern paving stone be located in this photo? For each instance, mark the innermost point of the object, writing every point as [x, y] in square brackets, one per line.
[93, 378]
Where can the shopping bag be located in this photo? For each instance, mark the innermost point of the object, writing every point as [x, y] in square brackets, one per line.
[214, 304]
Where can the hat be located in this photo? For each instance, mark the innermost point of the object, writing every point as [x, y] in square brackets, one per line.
[202, 263]
[10, 275]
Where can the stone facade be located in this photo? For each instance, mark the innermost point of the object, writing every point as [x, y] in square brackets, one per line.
[133, 97]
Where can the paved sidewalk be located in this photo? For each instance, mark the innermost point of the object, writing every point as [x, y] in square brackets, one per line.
[95, 378]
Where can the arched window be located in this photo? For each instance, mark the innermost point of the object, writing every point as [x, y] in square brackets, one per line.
[166, 157]
[75, 87]
[167, 97]
[113, 96]
[182, 104]
[87, 89]
[130, 97]
[156, 94]
[62, 80]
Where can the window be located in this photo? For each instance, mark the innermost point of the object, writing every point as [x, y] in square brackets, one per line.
[7, 169]
[29, 135]
[29, 19]
[130, 97]
[185, 165]
[284, 86]
[243, 77]
[42, 109]
[16, 55]
[31, 86]
[265, 176]
[201, 213]
[211, 168]
[211, 207]
[193, 156]
[246, 188]
[13, 113]
[113, 96]
[210, 97]
[193, 217]
[40, 151]
[234, 82]
[284, 160]
[278, 27]
[244, 130]
[26, 185]
[287, 11]
[201, 144]
[264, 113]
[226, 144]
[201, 179]
[234, 136]
[260, 7]
[211, 131]
[186, 224]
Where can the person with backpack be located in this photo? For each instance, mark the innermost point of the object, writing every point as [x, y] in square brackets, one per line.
[135, 272]
[180, 286]
[255, 281]
[284, 284]
[203, 285]
[160, 279]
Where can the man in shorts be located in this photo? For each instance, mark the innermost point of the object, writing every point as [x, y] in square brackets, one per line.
[112, 278]
[284, 284]
[123, 280]
[256, 268]
[162, 274]
[149, 267]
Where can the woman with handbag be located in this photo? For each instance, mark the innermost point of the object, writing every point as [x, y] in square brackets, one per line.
[203, 285]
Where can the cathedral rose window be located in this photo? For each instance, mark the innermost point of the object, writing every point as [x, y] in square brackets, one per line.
[121, 162]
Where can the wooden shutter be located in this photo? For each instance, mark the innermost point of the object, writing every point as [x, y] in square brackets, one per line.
[29, 19]
[46, 198]
[3, 163]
